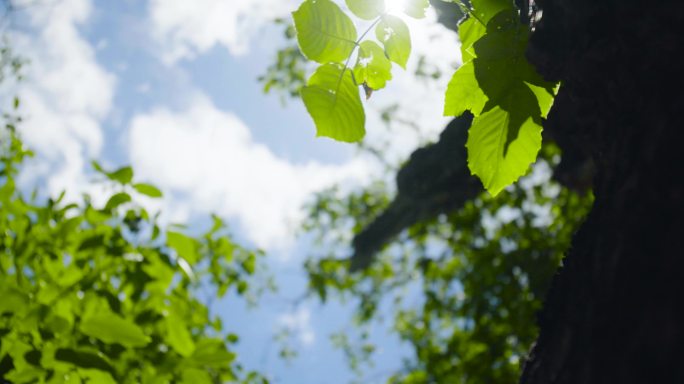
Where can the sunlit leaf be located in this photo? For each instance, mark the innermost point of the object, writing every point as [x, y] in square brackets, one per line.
[324, 32]
[464, 93]
[112, 328]
[96, 376]
[184, 245]
[366, 9]
[469, 31]
[195, 376]
[148, 190]
[211, 353]
[333, 101]
[122, 175]
[372, 67]
[116, 200]
[178, 336]
[416, 8]
[502, 144]
[394, 34]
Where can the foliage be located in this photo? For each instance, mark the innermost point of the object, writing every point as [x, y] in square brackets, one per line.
[461, 290]
[100, 293]
[495, 83]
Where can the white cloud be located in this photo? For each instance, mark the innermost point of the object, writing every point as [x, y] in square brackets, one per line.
[66, 94]
[187, 28]
[299, 323]
[209, 161]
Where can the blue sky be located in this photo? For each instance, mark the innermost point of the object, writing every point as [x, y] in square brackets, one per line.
[169, 86]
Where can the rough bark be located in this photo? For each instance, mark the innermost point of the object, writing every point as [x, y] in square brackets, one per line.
[615, 312]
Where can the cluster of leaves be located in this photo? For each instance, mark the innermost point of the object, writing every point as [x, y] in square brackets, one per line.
[101, 294]
[328, 36]
[504, 93]
[496, 83]
[462, 290]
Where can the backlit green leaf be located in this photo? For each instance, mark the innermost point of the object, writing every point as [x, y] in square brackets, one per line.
[544, 97]
[372, 67]
[96, 165]
[366, 9]
[394, 34]
[116, 200]
[13, 300]
[503, 143]
[324, 32]
[469, 31]
[112, 328]
[333, 101]
[147, 190]
[178, 336]
[464, 93]
[195, 376]
[416, 8]
[505, 139]
[96, 376]
[185, 246]
[122, 175]
[210, 352]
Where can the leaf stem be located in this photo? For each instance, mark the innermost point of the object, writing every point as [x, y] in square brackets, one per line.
[357, 43]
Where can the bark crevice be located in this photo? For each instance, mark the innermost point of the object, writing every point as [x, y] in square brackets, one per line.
[615, 312]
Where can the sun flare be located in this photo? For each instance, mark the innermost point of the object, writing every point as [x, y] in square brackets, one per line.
[395, 6]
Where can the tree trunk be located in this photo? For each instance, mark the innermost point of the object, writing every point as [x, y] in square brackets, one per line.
[615, 312]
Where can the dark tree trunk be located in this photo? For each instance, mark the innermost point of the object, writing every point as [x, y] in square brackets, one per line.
[615, 312]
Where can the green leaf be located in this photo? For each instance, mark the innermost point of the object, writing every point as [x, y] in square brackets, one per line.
[195, 376]
[84, 358]
[394, 34]
[505, 139]
[372, 66]
[96, 165]
[185, 246]
[148, 190]
[324, 32]
[470, 31]
[112, 328]
[13, 300]
[95, 376]
[416, 8]
[117, 200]
[178, 336]
[249, 264]
[333, 101]
[464, 93]
[122, 175]
[503, 143]
[485, 10]
[366, 9]
[544, 96]
[212, 352]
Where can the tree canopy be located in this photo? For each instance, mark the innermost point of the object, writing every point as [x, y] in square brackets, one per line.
[102, 293]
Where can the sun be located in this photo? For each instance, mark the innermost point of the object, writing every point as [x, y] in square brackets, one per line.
[395, 6]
